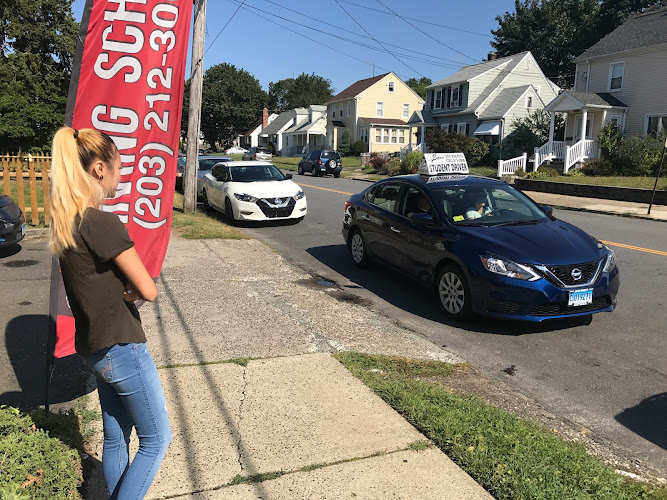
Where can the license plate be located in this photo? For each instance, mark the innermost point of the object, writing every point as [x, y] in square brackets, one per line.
[23, 230]
[580, 297]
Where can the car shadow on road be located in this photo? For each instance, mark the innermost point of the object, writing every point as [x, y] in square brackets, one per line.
[26, 345]
[9, 250]
[413, 298]
[648, 419]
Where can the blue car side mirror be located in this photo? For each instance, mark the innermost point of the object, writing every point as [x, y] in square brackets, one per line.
[547, 210]
[421, 218]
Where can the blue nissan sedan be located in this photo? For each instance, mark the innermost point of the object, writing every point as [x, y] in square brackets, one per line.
[482, 246]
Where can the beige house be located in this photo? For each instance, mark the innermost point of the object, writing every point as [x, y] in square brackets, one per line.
[621, 80]
[375, 110]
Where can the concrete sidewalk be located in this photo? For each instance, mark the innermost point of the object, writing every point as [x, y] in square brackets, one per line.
[292, 422]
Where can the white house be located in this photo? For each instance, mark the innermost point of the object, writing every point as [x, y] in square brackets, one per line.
[251, 137]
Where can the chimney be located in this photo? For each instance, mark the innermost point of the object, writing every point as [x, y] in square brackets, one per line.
[265, 118]
[492, 56]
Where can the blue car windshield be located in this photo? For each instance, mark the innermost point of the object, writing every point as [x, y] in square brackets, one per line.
[255, 173]
[497, 205]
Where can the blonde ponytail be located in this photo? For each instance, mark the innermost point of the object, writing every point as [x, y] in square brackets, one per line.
[73, 189]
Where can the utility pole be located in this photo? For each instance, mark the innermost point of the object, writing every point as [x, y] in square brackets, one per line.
[194, 116]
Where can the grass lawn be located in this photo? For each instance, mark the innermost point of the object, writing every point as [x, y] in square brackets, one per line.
[201, 226]
[510, 457]
[630, 182]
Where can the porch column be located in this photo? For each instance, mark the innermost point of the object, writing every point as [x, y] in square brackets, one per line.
[410, 139]
[423, 143]
[551, 134]
[307, 142]
[583, 125]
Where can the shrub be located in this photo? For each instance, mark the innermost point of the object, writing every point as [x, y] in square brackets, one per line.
[378, 163]
[551, 172]
[609, 140]
[537, 175]
[472, 148]
[358, 147]
[393, 166]
[411, 162]
[520, 172]
[45, 466]
[637, 156]
[575, 172]
[344, 144]
[532, 131]
[597, 168]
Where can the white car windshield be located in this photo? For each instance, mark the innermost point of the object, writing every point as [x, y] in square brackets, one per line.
[255, 174]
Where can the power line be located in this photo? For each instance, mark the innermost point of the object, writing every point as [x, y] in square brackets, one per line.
[376, 41]
[419, 20]
[424, 32]
[223, 28]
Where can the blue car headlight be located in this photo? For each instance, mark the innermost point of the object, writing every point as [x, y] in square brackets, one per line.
[245, 197]
[509, 268]
[610, 262]
[299, 195]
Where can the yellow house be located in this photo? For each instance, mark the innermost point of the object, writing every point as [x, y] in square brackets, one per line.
[375, 110]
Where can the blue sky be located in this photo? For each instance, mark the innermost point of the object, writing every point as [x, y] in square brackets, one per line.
[270, 52]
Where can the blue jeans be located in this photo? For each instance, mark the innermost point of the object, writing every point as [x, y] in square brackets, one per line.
[130, 396]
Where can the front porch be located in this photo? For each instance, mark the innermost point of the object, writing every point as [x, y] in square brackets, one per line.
[586, 113]
[302, 144]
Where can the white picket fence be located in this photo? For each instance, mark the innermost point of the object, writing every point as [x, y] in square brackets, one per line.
[508, 167]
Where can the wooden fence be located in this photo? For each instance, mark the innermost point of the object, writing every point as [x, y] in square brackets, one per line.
[31, 170]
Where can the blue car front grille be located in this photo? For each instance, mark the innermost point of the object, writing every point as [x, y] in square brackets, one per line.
[562, 309]
[565, 275]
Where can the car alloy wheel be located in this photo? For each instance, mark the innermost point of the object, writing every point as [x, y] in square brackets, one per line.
[358, 249]
[229, 212]
[314, 171]
[300, 169]
[453, 292]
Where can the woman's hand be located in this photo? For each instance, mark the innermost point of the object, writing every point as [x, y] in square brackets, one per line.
[130, 295]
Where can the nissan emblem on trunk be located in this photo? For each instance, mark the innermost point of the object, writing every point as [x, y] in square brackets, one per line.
[277, 201]
[576, 274]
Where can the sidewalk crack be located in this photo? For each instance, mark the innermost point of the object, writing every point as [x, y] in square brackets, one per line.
[239, 440]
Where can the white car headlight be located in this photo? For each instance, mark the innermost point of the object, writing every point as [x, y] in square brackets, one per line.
[509, 268]
[299, 195]
[245, 197]
[610, 262]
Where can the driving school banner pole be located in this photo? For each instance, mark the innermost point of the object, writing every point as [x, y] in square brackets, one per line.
[127, 81]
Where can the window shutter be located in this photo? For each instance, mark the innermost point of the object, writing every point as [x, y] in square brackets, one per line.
[449, 96]
[467, 130]
[461, 95]
[431, 93]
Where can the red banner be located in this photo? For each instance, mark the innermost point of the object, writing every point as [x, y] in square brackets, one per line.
[128, 82]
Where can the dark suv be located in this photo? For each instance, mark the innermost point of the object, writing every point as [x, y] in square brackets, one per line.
[320, 162]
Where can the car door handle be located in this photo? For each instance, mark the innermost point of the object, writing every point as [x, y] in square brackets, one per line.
[365, 217]
[395, 229]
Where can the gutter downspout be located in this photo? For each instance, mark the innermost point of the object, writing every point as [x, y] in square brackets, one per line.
[356, 107]
[588, 74]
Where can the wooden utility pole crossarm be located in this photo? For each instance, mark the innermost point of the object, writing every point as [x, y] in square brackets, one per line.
[194, 116]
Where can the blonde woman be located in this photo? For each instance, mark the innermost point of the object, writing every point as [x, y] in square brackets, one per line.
[103, 277]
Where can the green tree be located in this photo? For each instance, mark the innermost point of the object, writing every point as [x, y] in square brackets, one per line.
[557, 31]
[344, 145]
[232, 99]
[36, 51]
[299, 92]
[420, 85]
[533, 131]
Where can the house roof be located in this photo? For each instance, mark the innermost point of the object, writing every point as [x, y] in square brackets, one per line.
[503, 102]
[642, 30]
[597, 99]
[421, 117]
[356, 88]
[304, 127]
[384, 121]
[469, 72]
[276, 125]
[337, 123]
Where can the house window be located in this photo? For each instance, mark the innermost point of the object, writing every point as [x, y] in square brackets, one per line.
[286, 140]
[438, 99]
[450, 128]
[538, 89]
[401, 136]
[379, 109]
[391, 86]
[529, 101]
[385, 135]
[462, 128]
[406, 111]
[616, 71]
[363, 135]
[333, 112]
[349, 109]
[656, 125]
[378, 135]
[340, 108]
[589, 128]
[528, 62]
[616, 120]
[393, 133]
[455, 97]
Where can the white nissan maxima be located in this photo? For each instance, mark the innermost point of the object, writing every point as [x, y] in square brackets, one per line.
[253, 191]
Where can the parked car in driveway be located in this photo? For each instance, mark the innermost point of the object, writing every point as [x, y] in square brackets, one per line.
[236, 150]
[321, 162]
[258, 154]
[206, 163]
[482, 247]
[12, 222]
[253, 191]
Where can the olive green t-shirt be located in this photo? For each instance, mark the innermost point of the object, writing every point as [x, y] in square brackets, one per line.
[95, 285]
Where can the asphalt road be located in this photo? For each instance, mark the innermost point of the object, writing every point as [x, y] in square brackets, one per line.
[607, 374]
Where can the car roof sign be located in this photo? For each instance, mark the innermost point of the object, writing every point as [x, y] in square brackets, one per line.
[443, 163]
[428, 179]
